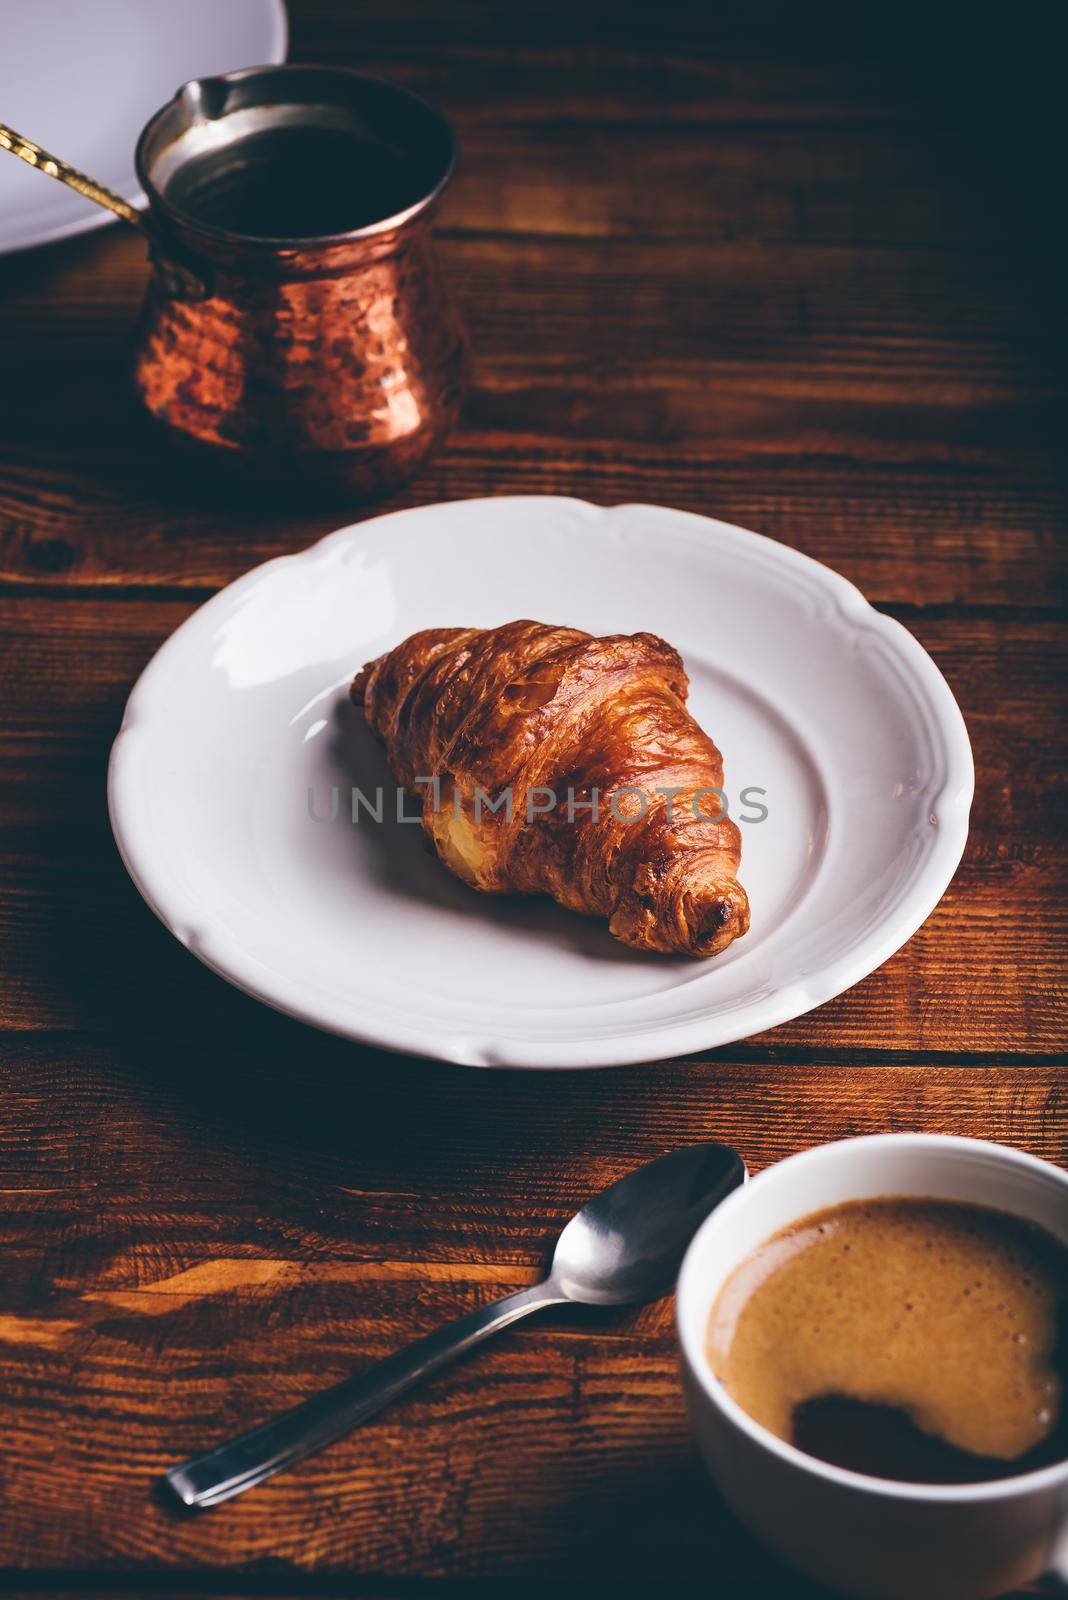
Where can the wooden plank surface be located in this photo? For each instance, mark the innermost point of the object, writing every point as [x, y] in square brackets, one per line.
[743, 260]
[67, 667]
[880, 410]
[225, 1236]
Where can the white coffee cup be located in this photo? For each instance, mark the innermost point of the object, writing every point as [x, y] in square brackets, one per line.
[872, 1537]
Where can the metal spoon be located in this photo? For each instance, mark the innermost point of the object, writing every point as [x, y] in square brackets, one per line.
[623, 1247]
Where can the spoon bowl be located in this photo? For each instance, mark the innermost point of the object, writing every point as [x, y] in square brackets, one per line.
[627, 1243]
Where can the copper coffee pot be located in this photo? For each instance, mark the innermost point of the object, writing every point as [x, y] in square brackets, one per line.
[295, 324]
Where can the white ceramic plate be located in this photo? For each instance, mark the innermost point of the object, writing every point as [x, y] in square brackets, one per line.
[82, 77]
[833, 710]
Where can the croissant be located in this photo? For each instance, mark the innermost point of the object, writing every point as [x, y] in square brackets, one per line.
[552, 762]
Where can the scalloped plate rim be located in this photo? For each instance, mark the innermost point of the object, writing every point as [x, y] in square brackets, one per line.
[230, 961]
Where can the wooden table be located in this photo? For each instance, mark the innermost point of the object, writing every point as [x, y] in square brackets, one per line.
[746, 261]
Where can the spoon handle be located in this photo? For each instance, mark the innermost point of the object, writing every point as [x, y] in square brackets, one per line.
[182, 278]
[53, 167]
[230, 1469]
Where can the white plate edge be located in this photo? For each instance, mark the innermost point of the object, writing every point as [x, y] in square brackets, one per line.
[953, 804]
[96, 216]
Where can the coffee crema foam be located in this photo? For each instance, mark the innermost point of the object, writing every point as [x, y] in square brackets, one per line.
[951, 1315]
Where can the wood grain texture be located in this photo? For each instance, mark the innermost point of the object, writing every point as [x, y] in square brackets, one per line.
[887, 413]
[75, 940]
[193, 1239]
[749, 261]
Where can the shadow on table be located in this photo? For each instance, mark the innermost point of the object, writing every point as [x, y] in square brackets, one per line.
[243, 1078]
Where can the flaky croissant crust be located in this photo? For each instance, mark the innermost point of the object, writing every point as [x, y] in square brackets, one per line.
[526, 709]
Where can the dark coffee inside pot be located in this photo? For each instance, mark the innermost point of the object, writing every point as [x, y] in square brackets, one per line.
[296, 182]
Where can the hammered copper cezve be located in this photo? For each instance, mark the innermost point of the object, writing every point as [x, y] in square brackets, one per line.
[330, 360]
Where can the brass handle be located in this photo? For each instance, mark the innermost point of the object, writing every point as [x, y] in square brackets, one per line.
[178, 279]
[53, 167]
